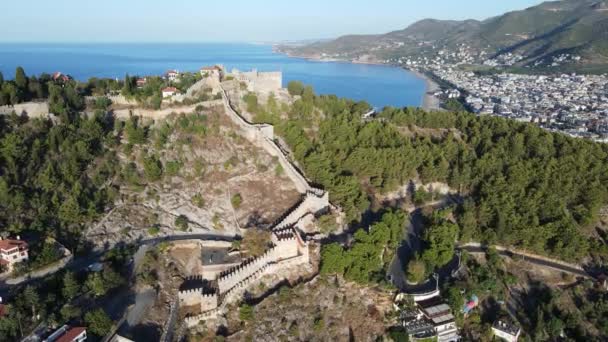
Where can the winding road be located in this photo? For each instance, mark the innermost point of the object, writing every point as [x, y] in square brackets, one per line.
[536, 260]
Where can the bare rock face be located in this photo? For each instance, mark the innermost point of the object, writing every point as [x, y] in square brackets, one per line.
[324, 309]
[215, 181]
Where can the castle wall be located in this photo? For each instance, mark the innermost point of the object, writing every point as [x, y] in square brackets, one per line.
[189, 297]
[263, 82]
[208, 302]
[213, 271]
[312, 204]
[31, 109]
[262, 136]
[239, 289]
[287, 248]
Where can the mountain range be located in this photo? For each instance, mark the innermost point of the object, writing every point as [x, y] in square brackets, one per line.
[537, 34]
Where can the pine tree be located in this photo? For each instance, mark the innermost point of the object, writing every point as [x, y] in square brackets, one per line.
[21, 79]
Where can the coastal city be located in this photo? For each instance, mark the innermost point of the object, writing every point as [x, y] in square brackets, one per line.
[576, 105]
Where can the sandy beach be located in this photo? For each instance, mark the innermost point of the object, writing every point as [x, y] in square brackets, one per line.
[429, 102]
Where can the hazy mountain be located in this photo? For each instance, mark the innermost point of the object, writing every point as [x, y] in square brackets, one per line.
[571, 26]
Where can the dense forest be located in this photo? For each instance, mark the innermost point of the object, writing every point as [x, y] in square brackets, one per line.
[520, 185]
[55, 173]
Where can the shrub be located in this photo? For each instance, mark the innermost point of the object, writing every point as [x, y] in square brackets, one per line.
[153, 168]
[181, 222]
[236, 201]
[198, 201]
[98, 322]
[172, 167]
[416, 271]
[246, 313]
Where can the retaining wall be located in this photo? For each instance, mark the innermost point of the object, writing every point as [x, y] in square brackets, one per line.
[162, 113]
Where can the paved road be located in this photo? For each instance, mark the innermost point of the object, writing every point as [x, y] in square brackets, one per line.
[530, 259]
[81, 263]
[409, 247]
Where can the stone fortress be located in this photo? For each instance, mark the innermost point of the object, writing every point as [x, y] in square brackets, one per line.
[210, 293]
[263, 82]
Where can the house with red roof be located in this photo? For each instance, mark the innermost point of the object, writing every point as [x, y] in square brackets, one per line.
[12, 252]
[68, 334]
[172, 75]
[58, 76]
[169, 92]
[212, 71]
[141, 82]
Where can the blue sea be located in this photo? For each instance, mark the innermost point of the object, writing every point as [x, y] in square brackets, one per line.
[379, 85]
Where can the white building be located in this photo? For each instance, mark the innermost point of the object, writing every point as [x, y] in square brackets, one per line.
[172, 75]
[506, 331]
[431, 317]
[12, 252]
[169, 92]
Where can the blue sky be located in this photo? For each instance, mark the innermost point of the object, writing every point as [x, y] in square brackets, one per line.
[226, 20]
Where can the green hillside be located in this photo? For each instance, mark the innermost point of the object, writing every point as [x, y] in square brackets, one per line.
[578, 27]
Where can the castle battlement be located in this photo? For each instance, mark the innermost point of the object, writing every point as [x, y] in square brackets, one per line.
[289, 249]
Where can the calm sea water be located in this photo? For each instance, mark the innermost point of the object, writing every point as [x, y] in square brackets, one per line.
[378, 85]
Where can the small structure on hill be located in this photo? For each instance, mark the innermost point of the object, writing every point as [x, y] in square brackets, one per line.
[12, 252]
[141, 82]
[506, 330]
[215, 72]
[61, 77]
[172, 75]
[169, 92]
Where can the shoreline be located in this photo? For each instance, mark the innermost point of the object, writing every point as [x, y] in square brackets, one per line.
[429, 101]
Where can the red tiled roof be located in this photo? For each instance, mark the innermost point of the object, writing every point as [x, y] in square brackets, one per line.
[71, 334]
[10, 244]
[172, 72]
[173, 89]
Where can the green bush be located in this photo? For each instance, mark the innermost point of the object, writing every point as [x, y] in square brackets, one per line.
[181, 222]
[236, 201]
[246, 313]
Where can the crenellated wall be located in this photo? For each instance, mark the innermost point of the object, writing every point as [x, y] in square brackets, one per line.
[209, 302]
[238, 290]
[190, 297]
